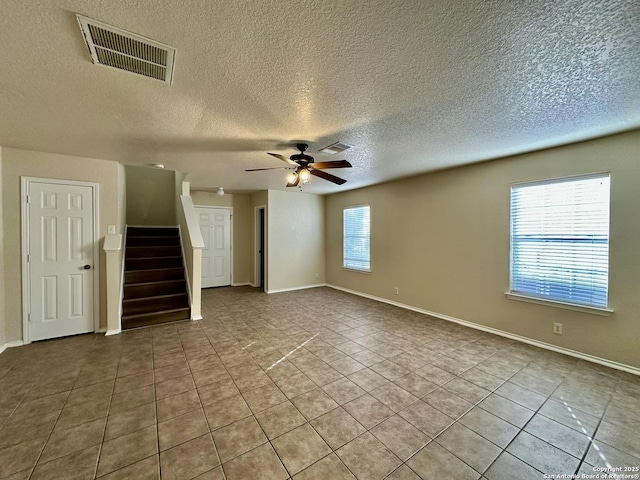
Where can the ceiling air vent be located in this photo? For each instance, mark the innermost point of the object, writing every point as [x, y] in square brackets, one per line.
[116, 48]
[336, 148]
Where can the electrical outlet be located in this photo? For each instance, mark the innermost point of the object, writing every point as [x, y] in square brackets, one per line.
[557, 328]
[395, 290]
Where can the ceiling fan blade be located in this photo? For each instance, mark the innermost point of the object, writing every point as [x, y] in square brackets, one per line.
[333, 164]
[283, 158]
[259, 169]
[328, 176]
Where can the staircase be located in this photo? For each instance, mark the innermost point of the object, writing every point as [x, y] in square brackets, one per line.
[155, 289]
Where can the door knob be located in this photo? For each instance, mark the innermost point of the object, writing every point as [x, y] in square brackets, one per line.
[87, 267]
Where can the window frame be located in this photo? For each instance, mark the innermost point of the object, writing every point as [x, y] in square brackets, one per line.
[344, 236]
[560, 303]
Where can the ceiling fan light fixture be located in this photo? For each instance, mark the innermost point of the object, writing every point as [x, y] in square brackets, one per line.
[305, 175]
[292, 177]
[304, 166]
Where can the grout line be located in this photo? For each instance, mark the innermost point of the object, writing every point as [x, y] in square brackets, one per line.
[307, 422]
[251, 322]
[155, 399]
[522, 429]
[595, 431]
[467, 411]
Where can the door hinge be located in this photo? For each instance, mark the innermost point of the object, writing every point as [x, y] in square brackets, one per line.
[28, 198]
[28, 258]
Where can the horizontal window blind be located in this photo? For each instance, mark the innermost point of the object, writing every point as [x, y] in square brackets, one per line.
[560, 240]
[356, 238]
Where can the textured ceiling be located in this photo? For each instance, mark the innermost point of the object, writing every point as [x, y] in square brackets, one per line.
[415, 85]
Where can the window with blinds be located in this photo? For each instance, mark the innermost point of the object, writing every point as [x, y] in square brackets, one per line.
[560, 240]
[356, 238]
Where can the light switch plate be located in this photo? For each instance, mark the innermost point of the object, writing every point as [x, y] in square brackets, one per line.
[111, 229]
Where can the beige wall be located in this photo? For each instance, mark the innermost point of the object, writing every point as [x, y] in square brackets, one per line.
[242, 229]
[122, 198]
[212, 199]
[2, 298]
[296, 240]
[150, 196]
[443, 240]
[17, 163]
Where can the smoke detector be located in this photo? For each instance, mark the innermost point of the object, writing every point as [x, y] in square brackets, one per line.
[116, 48]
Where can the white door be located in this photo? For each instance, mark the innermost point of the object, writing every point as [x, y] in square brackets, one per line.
[60, 250]
[215, 225]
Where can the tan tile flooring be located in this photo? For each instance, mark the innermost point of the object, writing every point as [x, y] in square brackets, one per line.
[315, 384]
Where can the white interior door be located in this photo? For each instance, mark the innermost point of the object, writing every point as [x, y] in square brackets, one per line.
[60, 255]
[215, 225]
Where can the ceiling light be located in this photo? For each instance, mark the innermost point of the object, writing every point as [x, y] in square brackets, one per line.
[157, 165]
[220, 191]
[305, 175]
[336, 148]
[292, 177]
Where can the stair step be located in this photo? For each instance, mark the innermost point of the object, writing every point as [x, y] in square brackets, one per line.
[153, 251]
[146, 319]
[152, 231]
[152, 289]
[155, 289]
[142, 241]
[153, 275]
[134, 306]
[147, 263]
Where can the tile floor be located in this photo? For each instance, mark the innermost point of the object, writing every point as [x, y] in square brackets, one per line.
[315, 384]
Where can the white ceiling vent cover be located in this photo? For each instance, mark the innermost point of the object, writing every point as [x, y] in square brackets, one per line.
[116, 48]
[336, 148]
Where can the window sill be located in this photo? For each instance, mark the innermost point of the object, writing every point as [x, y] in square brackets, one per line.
[605, 312]
[355, 270]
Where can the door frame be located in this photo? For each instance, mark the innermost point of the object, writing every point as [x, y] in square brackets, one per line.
[230, 236]
[24, 241]
[256, 243]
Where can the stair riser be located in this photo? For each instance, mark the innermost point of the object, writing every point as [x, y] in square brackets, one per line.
[146, 264]
[152, 241]
[154, 305]
[142, 291]
[155, 318]
[162, 251]
[154, 268]
[153, 275]
[152, 232]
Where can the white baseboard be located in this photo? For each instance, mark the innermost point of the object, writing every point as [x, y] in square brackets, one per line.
[15, 343]
[241, 284]
[196, 317]
[495, 331]
[115, 331]
[292, 289]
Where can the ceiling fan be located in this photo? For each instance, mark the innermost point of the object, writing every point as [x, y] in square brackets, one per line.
[304, 166]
